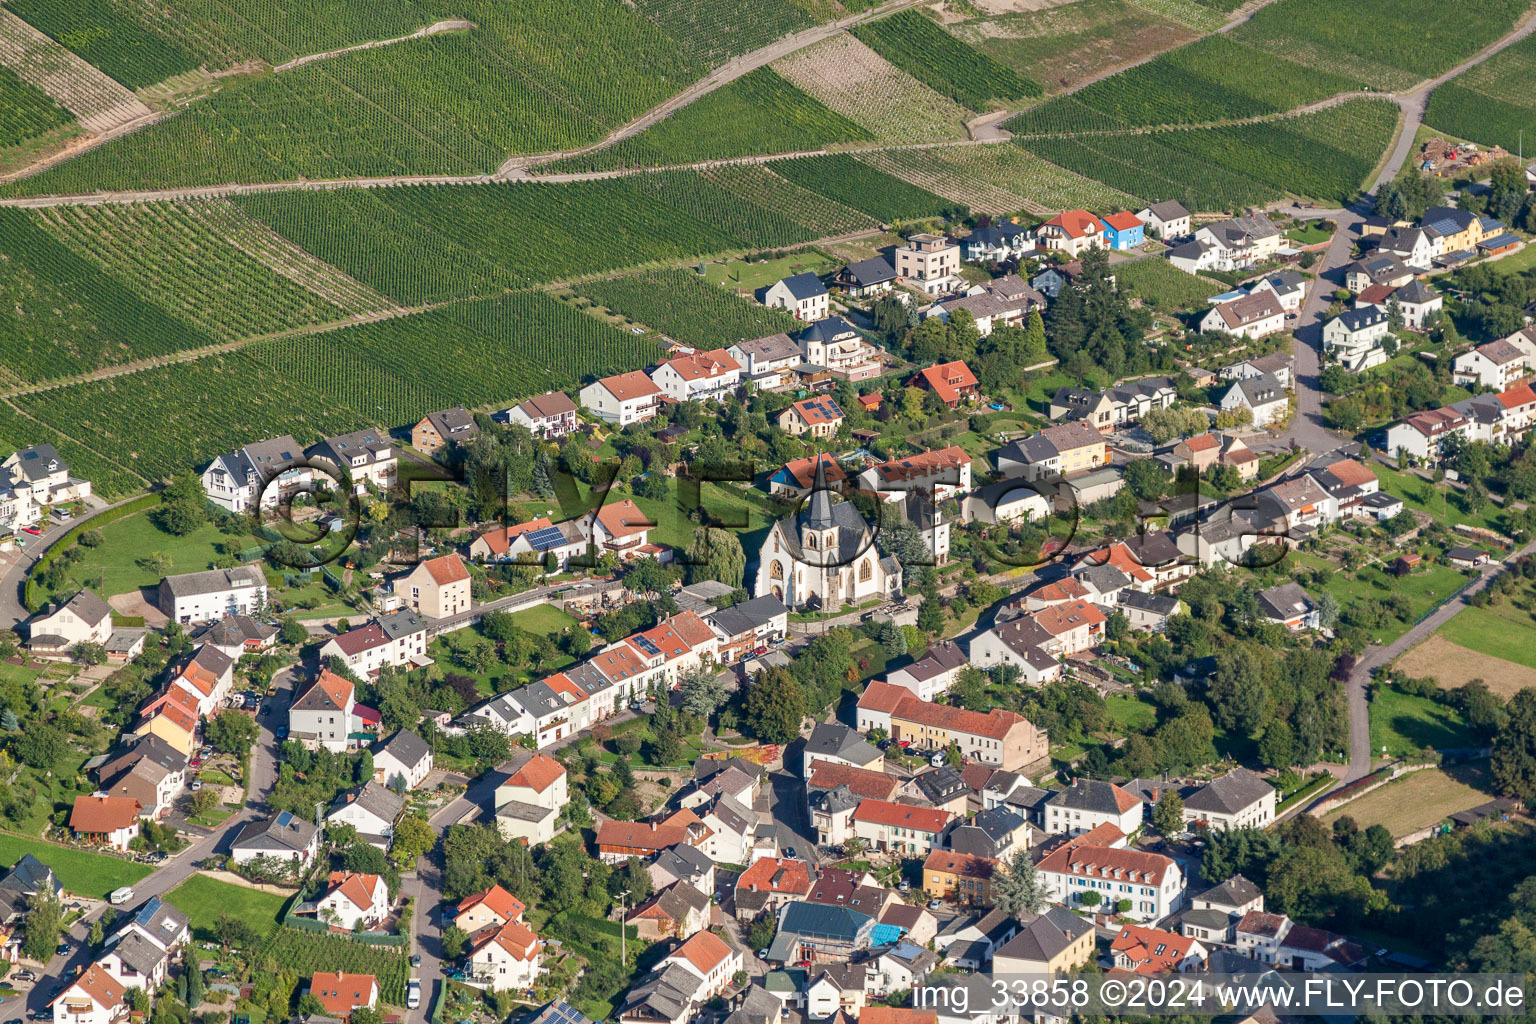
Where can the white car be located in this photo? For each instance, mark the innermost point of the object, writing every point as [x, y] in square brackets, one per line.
[938, 760]
[413, 994]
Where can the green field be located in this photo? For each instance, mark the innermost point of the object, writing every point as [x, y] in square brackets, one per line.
[545, 619]
[1212, 80]
[843, 178]
[1405, 724]
[1391, 44]
[1499, 631]
[82, 873]
[203, 899]
[106, 35]
[713, 31]
[914, 43]
[687, 308]
[111, 569]
[1326, 155]
[759, 112]
[1424, 589]
[1163, 286]
[510, 82]
[742, 275]
[25, 111]
[1129, 712]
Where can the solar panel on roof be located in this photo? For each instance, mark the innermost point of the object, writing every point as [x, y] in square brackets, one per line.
[646, 645]
[284, 817]
[546, 537]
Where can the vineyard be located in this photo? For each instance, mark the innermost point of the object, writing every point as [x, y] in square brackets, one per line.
[713, 31]
[758, 113]
[96, 100]
[1161, 285]
[1063, 45]
[181, 261]
[1190, 13]
[1491, 103]
[998, 179]
[168, 419]
[306, 953]
[65, 316]
[1391, 44]
[858, 83]
[107, 478]
[1325, 155]
[686, 308]
[759, 188]
[916, 45]
[845, 179]
[26, 112]
[1213, 79]
[447, 104]
[102, 35]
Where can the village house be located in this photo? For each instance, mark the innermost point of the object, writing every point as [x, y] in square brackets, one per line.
[1089, 803]
[1414, 246]
[617, 841]
[259, 476]
[83, 619]
[1459, 230]
[622, 399]
[1021, 642]
[490, 908]
[280, 837]
[371, 809]
[110, 820]
[339, 993]
[767, 361]
[929, 263]
[150, 771]
[1150, 883]
[835, 345]
[365, 457]
[942, 472]
[1420, 434]
[932, 674]
[1123, 231]
[1213, 915]
[1065, 450]
[1354, 338]
[324, 715]
[437, 588]
[620, 527]
[1116, 407]
[769, 884]
[997, 242]
[748, 627]
[1288, 605]
[1200, 452]
[960, 878]
[1073, 232]
[237, 635]
[529, 800]
[1417, 302]
[392, 639]
[550, 415]
[1053, 941]
[1264, 397]
[1288, 286]
[1238, 799]
[209, 596]
[353, 902]
[1277, 364]
[1005, 501]
[899, 828]
[834, 743]
[1495, 366]
[138, 954]
[171, 716]
[1253, 316]
[1384, 269]
[865, 279]
[819, 417]
[1150, 951]
[698, 376]
[795, 478]
[437, 431]
[1235, 244]
[403, 761]
[505, 959]
[1165, 220]
[677, 911]
[802, 295]
[38, 473]
[953, 383]
[206, 675]
[95, 997]
[1003, 739]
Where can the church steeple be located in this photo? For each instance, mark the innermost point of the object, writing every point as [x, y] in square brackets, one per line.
[821, 499]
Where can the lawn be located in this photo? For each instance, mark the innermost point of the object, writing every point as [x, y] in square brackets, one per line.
[1404, 724]
[1309, 234]
[126, 541]
[1500, 630]
[1515, 262]
[1420, 799]
[545, 619]
[203, 899]
[1422, 496]
[80, 872]
[1423, 589]
[741, 275]
[1130, 712]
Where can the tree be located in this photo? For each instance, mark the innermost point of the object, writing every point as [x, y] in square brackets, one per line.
[702, 691]
[90, 654]
[1514, 748]
[1146, 479]
[194, 986]
[183, 506]
[1168, 814]
[930, 617]
[1327, 610]
[1091, 898]
[41, 745]
[892, 640]
[234, 932]
[96, 933]
[414, 837]
[309, 1005]
[1017, 889]
[44, 918]
[203, 801]
[292, 631]
[454, 940]
[775, 706]
[231, 733]
[716, 554]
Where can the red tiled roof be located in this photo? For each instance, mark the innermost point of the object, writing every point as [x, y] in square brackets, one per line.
[1151, 950]
[1351, 473]
[1123, 221]
[623, 518]
[994, 724]
[694, 630]
[815, 411]
[1103, 862]
[98, 815]
[1202, 442]
[336, 691]
[520, 941]
[361, 639]
[447, 569]
[947, 380]
[804, 470]
[883, 697]
[1063, 618]
[896, 1015]
[639, 835]
[500, 540]
[1517, 396]
[617, 664]
[923, 464]
[541, 772]
[861, 781]
[703, 365]
[498, 901]
[705, 951]
[1076, 223]
[963, 864]
[883, 812]
[340, 993]
[770, 874]
[633, 384]
[104, 990]
[357, 888]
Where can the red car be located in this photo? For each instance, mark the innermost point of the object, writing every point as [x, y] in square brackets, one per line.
[32, 530]
[196, 762]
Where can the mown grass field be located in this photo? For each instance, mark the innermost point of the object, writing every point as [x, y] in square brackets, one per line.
[1501, 630]
[1403, 724]
[1421, 799]
[1453, 665]
[203, 899]
[80, 872]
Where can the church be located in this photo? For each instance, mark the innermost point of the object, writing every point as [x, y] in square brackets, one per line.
[824, 557]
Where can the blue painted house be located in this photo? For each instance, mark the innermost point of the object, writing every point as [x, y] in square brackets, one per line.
[1123, 230]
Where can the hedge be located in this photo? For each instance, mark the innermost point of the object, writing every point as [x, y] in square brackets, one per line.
[30, 592]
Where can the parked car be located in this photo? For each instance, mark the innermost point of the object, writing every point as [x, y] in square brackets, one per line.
[935, 904]
[415, 960]
[64, 949]
[762, 954]
[789, 851]
[34, 531]
[197, 784]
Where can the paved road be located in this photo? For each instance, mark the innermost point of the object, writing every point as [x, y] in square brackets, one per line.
[14, 577]
[263, 772]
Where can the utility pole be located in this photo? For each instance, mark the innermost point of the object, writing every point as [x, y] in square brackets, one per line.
[623, 947]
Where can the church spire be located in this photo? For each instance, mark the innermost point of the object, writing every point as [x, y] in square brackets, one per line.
[821, 498]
